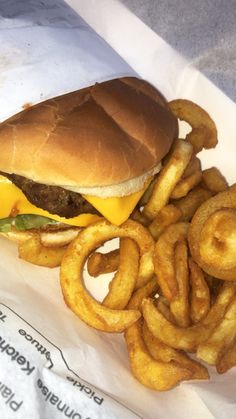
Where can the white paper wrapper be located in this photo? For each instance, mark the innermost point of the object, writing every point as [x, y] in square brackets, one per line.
[51, 364]
[47, 51]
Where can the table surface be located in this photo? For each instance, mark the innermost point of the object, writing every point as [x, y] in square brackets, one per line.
[204, 31]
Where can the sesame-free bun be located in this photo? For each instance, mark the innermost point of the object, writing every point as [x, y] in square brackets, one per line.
[104, 140]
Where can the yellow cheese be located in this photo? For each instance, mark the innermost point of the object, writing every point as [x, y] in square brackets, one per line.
[116, 210]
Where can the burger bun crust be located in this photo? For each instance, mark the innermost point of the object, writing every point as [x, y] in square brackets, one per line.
[94, 140]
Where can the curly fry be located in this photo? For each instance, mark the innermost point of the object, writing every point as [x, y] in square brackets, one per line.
[213, 180]
[164, 258]
[204, 133]
[155, 374]
[212, 235]
[190, 203]
[200, 293]
[168, 178]
[101, 263]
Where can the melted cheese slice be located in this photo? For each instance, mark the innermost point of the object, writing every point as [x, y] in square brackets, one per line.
[116, 210]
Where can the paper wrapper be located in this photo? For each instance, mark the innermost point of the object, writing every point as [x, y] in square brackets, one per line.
[51, 364]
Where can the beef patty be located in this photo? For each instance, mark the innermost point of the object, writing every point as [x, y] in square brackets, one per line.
[53, 199]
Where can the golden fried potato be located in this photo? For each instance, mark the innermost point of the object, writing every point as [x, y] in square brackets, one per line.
[138, 215]
[168, 178]
[222, 337]
[185, 185]
[78, 298]
[103, 263]
[164, 258]
[228, 360]
[179, 305]
[213, 180]
[164, 307]
[162, 352]
[190, 178]
[204, 133]
[34, 252]
[154, 374]
[124, 281]
[200, 299]
[212, 235]
[166, 216]
[193, 166]
[187, 338]
[189, 204]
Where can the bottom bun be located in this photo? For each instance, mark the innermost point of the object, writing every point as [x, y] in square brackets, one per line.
[57, 238]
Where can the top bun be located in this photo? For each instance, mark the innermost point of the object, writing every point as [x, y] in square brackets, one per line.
[103, 140]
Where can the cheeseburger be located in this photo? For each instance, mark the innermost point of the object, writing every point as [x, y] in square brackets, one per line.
[70, 160]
